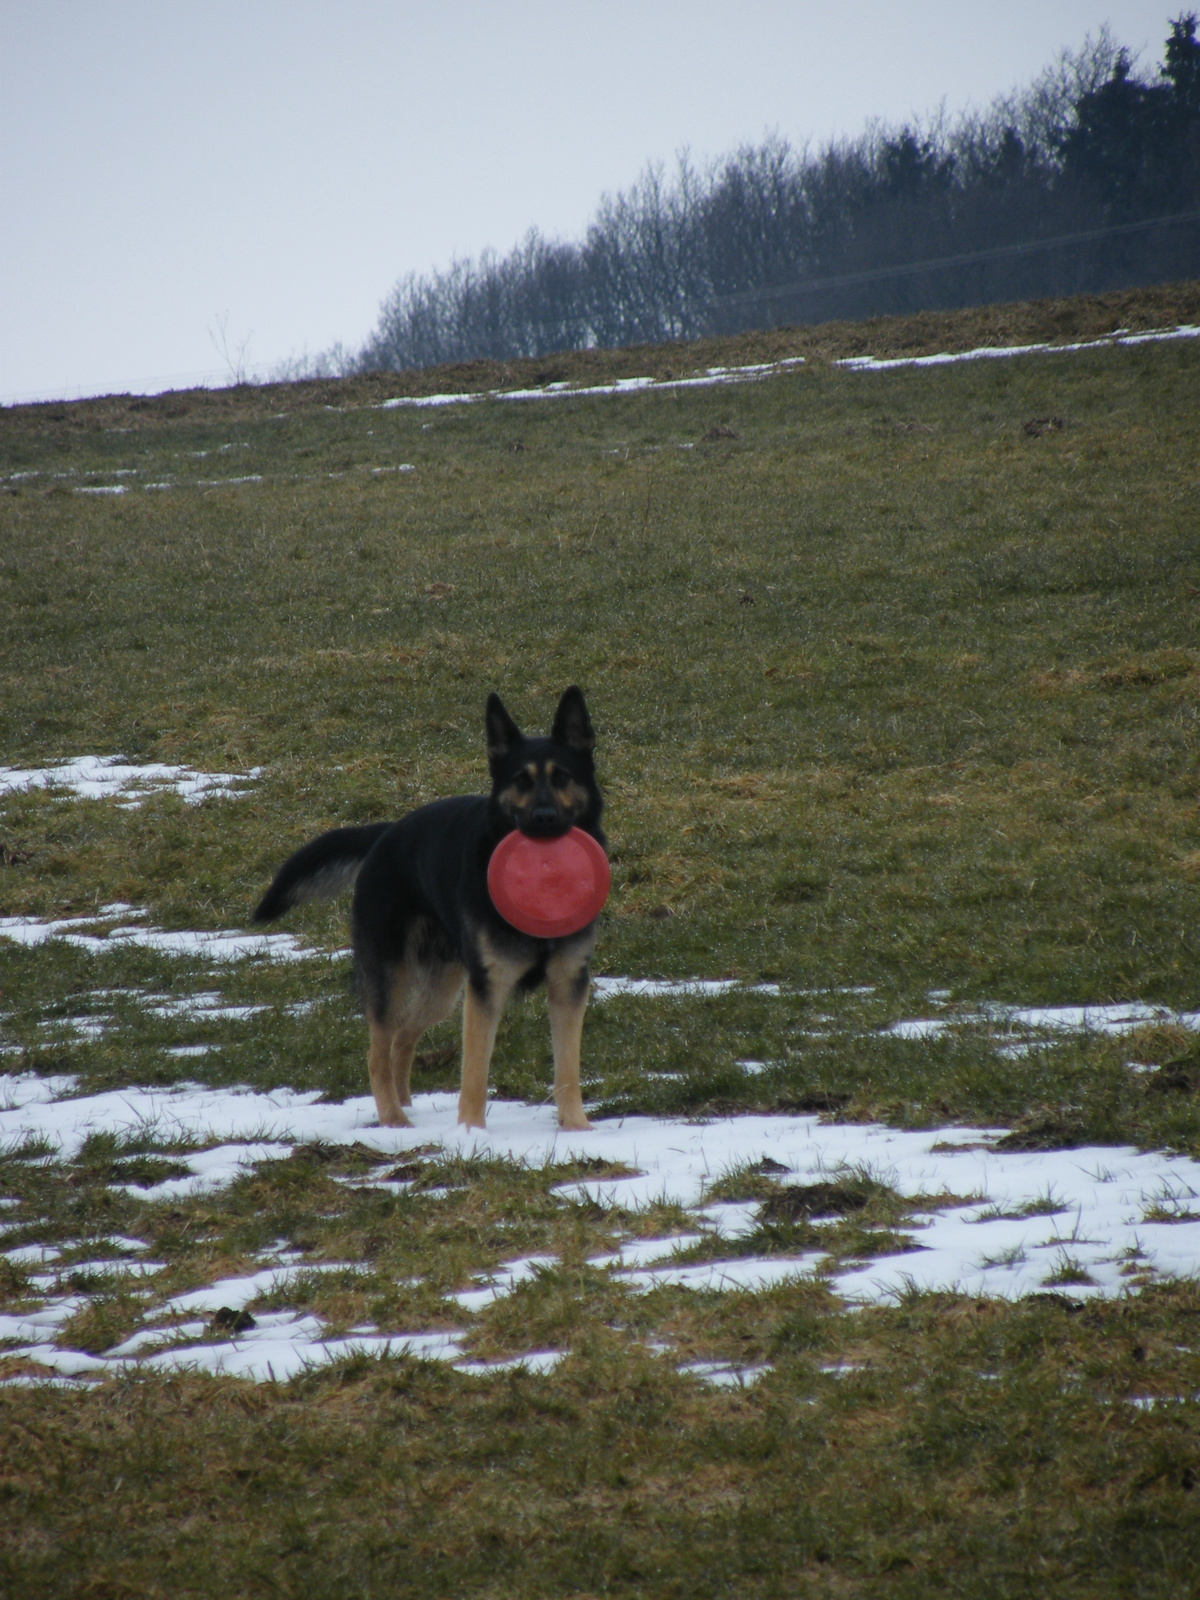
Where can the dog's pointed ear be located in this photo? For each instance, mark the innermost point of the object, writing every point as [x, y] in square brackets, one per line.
[502, 732]
[572, 725]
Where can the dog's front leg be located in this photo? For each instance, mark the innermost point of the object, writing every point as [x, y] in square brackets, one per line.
[567, 983]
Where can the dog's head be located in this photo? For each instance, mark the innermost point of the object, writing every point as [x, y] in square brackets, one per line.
[544, 786]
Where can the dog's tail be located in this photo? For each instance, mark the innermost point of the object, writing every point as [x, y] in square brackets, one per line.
[318, 870]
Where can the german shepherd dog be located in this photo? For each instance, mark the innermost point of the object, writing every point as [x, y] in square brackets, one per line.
[422, 922]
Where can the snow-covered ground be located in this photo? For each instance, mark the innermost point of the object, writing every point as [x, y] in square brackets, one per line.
[109, 777]
[673, 988]
[1052, 1020]
[111, 926]
[716, 376]
[1093, 1221]
[991, 1222]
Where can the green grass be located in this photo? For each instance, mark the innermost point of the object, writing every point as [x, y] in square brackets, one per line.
[951, 743]
[889, 694]
[972, 1449]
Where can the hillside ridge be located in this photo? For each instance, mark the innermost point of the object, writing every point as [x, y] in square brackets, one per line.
[1079, 317]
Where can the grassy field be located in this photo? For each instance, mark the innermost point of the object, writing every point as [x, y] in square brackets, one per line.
[894, 695]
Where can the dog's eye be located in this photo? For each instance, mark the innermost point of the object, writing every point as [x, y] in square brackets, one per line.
[558, 777]
[522, 783]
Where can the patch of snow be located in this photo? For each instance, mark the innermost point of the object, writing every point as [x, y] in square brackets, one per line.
[69, 1363]
[210, 1170]
[1089, 1019]
[148, 1337]
[27, 1089]
[752, 1273]
[208, 946]
[204, 1006]
[920, 1028]
[539, 1361]
[1110, 1019]
[731, 1219]
[237, 1293]
[641, 1252]
[502, 1281]
[675, 988]
[275, 1356]
[380, 1180]
[89, 1027]
[32, 1255]
[183, 1114]
[716, 376]
[43, 1380]
[105, 777]
[723, 1376]
[37, 1326]
[1002, 352]
[113, 1266]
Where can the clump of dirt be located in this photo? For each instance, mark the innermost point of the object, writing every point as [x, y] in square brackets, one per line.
[801, 1201]
[1050, 1131]
[812, 1100]
[1176, 1077]
[227, 1320]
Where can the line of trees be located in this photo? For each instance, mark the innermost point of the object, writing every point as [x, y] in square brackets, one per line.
[772, 234]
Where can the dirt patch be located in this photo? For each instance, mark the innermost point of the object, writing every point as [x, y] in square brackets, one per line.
[1047, 1132]
[812, 1100]
[1177, 1077]
[803, 1200]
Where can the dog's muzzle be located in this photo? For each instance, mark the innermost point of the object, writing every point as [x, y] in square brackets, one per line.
[544, 822]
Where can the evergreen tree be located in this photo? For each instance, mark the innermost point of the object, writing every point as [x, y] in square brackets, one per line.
[1182, 66]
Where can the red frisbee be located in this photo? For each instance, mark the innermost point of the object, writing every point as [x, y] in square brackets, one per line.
[549, 887]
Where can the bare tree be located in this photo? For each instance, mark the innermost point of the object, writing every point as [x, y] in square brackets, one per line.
[235, 357]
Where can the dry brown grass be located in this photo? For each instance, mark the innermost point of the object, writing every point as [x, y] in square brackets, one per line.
[925, 333]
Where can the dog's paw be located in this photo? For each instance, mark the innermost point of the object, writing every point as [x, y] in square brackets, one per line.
[573, 1122]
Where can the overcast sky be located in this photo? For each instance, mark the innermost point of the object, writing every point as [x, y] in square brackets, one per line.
[172, 168]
